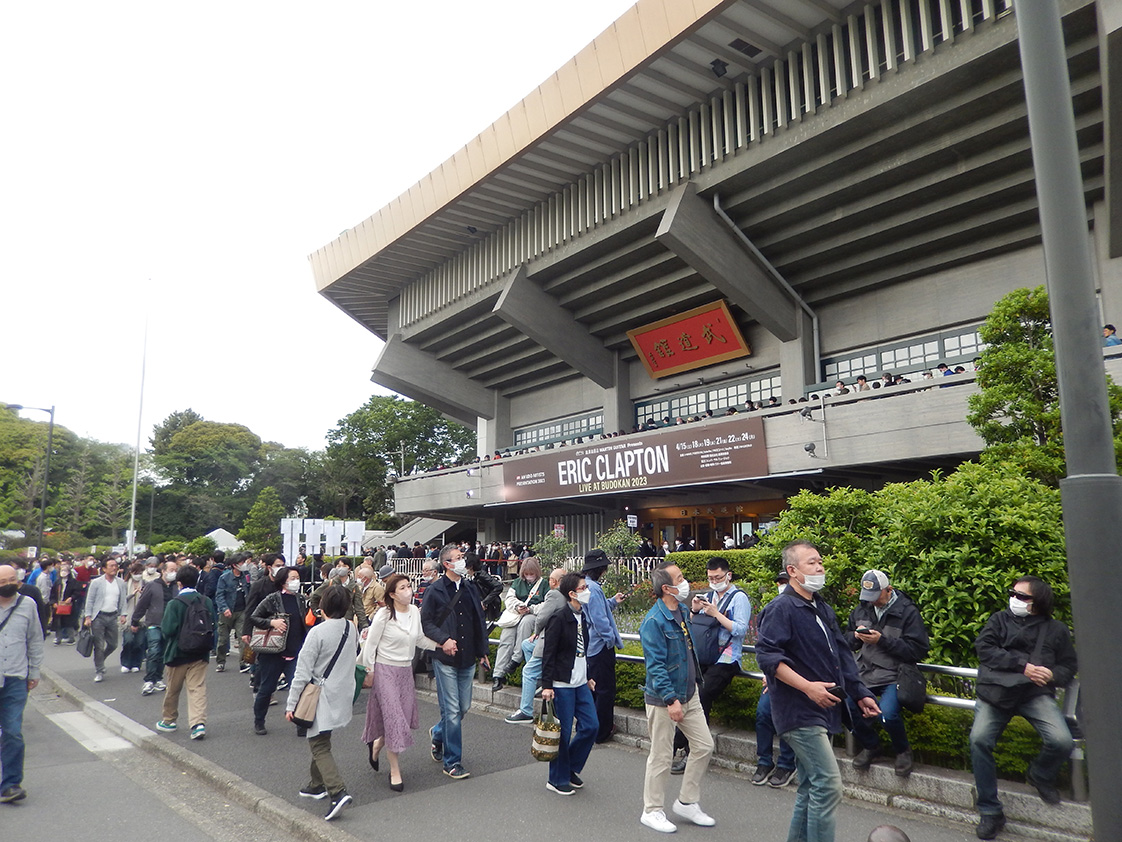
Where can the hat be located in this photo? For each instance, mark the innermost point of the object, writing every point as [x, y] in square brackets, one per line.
[783, 576]
[872, 583]
[595, 560]
[338, 573]
[385, 571]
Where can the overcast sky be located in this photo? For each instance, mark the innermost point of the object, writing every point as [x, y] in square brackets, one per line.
[177, 163]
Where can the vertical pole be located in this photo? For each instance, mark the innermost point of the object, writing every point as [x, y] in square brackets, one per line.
[1092, 491]
[131, 538]
[46, 477]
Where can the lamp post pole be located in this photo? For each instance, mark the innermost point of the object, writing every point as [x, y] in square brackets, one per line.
[46, 466]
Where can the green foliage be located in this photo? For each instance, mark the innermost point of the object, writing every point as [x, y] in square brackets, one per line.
[1017, 411]
[553, 551]
[210, 454]
[168, 547]
[619, 540]
[201, 547]
[261, 529]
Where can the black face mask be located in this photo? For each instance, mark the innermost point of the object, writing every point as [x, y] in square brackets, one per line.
[8, 591]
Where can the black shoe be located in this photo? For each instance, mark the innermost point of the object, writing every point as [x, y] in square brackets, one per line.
[373, 759]
[316, 792]
[780, 778]
[437, 749]
[396, 787]
[339, 802]
[989, 826]
[864, 758]
[498, 684]
[1048, 792]
[761, 776]
[574, 780]
[244, 668]
[12, 794]
[904, 764]
[259, 729]
[678, 766]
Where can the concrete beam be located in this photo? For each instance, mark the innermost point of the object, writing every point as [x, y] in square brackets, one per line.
[798, 368]
[494, 433]
[424, 378]
[692, 230]
[527, 308]
[1110, 52]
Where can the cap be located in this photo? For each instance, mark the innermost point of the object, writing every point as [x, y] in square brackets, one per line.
[595, 560]
[338, 573]
[783, 577]
[872, 583]
[385, 571]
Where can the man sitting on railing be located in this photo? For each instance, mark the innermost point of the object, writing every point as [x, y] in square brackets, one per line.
[1023, 656]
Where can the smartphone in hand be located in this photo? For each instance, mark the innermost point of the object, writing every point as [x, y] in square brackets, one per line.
[836, 692]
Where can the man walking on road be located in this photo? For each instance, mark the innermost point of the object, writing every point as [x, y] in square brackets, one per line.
[671, 696]
[107, 608]
[810, 672]
[188, 639]
[21, 653]
[452, 615]
[230, 600]
[603, 642]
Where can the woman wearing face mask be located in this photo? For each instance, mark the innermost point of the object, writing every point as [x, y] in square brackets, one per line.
[133, 643]
[283, 609]
[391, 711]
[65, 594]
[525, 596]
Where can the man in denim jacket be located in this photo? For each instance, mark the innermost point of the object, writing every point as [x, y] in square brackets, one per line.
[671, 696]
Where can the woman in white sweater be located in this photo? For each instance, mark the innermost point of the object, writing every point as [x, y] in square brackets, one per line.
[391, 712]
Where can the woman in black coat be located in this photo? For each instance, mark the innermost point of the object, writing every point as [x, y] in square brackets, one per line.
[65, 594]
[284, 609]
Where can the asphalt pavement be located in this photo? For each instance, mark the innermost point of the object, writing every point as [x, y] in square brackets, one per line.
[128, 791]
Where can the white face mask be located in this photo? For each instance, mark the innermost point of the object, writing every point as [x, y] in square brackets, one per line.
[1019, 609]
[683, 591]
[21, 574]
[720, 587]
[169, 577]
[783, 587]
[584, 596]
[292, 585]
[136, 577]
[460, 567]
[814, 582]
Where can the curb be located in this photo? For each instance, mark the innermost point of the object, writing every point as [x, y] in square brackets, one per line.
[275, 810]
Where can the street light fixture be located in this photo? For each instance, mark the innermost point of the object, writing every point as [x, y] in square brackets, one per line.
[46, 465]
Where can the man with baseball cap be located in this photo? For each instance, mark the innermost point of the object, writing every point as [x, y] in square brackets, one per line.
[885, 630]
[603, 641]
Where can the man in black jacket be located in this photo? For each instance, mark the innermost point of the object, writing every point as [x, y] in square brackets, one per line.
[1023, 656]
[452, 616]
[885, 630]
[565, 682]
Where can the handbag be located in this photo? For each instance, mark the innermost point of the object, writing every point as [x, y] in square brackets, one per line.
[361, 675]
[547, 734]
[306, 705]
[268, 641]
[63, 609]
[911, 687]
[84, 643]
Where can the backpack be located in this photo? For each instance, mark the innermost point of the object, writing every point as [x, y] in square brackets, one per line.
[707, 632]
[196, 633]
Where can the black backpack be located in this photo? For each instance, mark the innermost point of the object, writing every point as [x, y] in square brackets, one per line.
[706, 632]
[196, 634]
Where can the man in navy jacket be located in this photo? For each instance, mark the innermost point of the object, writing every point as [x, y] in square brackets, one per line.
[810, 672]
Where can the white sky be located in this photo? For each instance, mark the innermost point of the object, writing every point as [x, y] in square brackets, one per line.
[178, 162]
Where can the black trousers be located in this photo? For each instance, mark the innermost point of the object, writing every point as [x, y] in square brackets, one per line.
[602, 670]
[715, 680]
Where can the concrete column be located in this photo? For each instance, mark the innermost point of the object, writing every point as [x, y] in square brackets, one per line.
[493, 434]
[1108, 270]
[797, 359]
[1110, 63]
[619, 412]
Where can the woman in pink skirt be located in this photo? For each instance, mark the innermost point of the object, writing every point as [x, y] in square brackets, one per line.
[391, 712]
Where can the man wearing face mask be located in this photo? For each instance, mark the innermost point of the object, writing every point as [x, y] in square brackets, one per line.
[1023, 656]
[230, 597]
[452, 616]
[430, 570]
[810, 672]
[671, 696]
[105, 613]
[21, 654]
[148, 614]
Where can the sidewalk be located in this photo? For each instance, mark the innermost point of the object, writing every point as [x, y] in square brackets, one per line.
[504, 799]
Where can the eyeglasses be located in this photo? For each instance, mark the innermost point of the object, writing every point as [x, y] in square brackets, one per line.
[1023, 597]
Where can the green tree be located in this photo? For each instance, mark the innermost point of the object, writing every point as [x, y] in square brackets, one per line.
[1017, 410]
[384, 438]
[163, 432]
[619, 540]
[201, 547]
[210, 454]
[261, 529]
[553, 551]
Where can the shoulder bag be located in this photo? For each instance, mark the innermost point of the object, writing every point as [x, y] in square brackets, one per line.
[268, 641]
[305, 711]
[911, 687]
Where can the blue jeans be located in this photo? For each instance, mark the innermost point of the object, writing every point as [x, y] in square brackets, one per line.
[570, 702]
[1044, 715]
[13, 699]
[132, 648]
[889, 715]
[765, 736]
[154, 670]
[531, 675]
[453, 693]
[820, 785]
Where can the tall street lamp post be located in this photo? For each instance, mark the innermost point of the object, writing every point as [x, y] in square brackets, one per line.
[46, 465]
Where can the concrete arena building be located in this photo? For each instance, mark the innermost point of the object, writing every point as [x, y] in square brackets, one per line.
[847, 186]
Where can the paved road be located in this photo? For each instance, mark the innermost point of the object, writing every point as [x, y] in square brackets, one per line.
[505, 799]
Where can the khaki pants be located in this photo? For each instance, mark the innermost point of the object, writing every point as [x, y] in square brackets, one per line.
[193, 675]
[695, 729]
[324, 772]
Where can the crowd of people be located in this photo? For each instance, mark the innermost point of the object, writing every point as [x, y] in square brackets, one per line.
[296, 628]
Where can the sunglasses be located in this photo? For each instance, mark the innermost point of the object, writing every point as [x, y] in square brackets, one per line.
[1023, 597]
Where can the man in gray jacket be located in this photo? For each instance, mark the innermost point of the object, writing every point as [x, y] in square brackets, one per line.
[21, 653]
[105, 613]
[534, 646]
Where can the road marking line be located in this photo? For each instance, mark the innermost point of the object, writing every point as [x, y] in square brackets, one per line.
[89, 734]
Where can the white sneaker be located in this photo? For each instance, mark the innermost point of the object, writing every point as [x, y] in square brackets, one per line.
[693, 813]
[657, 821]
[148, 689]
[124, 670]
